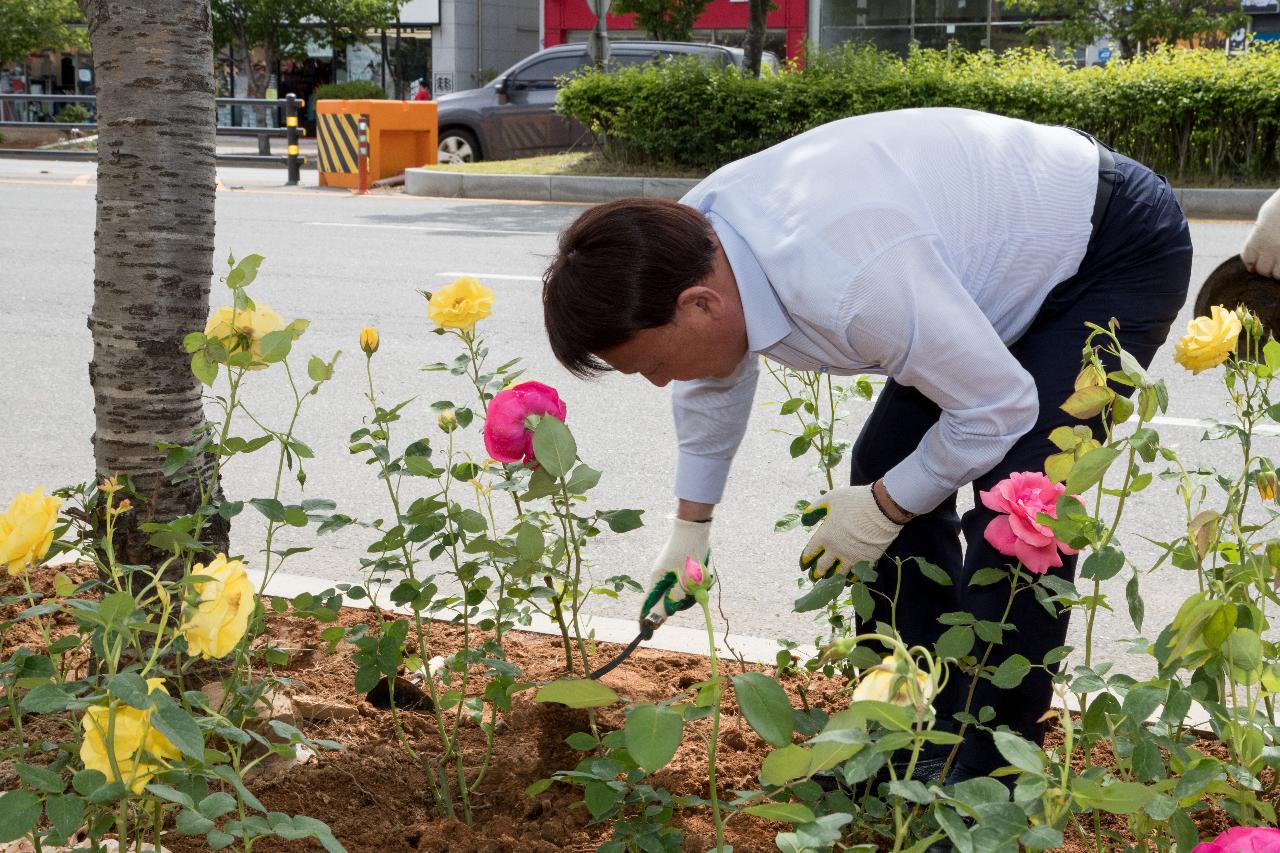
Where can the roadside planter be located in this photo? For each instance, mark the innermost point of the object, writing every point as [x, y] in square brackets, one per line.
[182, 706]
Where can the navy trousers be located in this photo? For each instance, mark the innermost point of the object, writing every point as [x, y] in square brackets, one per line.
[1137, 269]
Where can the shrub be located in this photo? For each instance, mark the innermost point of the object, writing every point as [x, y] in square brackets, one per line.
[72, 114]
[1190, 114]
[352, 90]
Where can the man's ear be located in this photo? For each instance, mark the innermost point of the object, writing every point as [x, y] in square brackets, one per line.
[701, 298]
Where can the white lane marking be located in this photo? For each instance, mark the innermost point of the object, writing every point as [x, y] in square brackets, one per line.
[1191, 422]
[493, 275]
[442, 229]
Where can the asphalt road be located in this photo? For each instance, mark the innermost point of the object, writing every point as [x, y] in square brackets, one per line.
[344, 262]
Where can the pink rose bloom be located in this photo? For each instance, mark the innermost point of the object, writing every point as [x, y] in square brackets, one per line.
[505, 435]
[1243, 839]
[692, 573]
[1015, 532]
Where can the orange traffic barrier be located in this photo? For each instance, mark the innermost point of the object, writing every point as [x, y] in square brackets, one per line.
[401, 135]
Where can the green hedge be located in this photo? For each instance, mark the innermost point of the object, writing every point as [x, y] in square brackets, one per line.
[1195, 115]
[352, 90]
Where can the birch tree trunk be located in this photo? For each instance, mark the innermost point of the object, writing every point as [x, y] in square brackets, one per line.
[153, 250]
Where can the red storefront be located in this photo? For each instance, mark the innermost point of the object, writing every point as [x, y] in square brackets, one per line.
[724, 22]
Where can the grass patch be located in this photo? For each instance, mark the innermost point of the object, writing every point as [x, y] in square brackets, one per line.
[578, 163]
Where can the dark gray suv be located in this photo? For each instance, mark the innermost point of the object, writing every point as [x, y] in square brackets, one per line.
[514, 115]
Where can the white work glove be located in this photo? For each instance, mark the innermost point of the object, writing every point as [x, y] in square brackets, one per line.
[853, 529]
[1261, 253]
[666, 596]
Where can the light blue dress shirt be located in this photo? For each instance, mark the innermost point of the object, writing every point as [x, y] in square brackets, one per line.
[915, 244]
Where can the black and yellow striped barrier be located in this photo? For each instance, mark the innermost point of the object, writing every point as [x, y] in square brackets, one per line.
[338, 142]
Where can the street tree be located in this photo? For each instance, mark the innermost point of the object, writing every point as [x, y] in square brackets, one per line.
[348, 22]
[1133, 27]
[28, 26]
[664, 20]
[153, 253]
[753, 46]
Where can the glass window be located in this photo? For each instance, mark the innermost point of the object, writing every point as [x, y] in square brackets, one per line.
[893, 39]
[1006, 36]
[864, 13]
[968, 37]
[1001, 11]
[543, 73]
[947, 11]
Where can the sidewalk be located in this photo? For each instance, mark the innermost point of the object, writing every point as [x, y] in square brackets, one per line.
[1196, 202]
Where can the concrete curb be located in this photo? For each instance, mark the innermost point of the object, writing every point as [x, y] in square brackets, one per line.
[606, 629]
[670, 638]
[1221, 203]
[438, 184]
[1196, 202]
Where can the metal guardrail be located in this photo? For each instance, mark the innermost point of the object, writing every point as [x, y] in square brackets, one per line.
[290, 132]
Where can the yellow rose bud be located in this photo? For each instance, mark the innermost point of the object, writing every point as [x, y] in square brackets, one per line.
[1209, 340]
[369, 340]
[237, 328]
[461, 305]
[1090, 376]
[221, 616]
[447, 421]
[124, 733]
[1267, 482]
[906, 685]
[26, 530]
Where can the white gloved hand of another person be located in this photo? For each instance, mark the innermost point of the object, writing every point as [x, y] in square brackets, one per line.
[1261, 253]
[666, 596]
[853, 529]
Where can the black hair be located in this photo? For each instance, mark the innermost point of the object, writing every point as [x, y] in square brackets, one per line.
[620, 268]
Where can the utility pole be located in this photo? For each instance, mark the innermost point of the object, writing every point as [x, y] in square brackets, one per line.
[598, 44]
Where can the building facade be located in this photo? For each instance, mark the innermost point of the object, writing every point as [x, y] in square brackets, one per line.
[723, 22]
[895, 24]
[478, 39]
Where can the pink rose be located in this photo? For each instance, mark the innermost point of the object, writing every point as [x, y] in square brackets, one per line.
[1243, 839]
[1015, 532]
[692, 573]
[505, 435]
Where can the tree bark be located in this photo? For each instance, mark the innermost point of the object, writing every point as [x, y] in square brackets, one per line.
[153, 252]
[753, 47]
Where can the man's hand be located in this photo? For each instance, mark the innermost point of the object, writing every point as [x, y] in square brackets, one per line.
[1261, 253]
[666, 596]
[853, 529]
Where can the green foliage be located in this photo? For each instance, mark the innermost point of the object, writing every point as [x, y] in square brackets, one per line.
[1133, 26]
[283, 28]
[72, 114]
[664, 20]
[352, 90]
[1195, 115]
[28, 26]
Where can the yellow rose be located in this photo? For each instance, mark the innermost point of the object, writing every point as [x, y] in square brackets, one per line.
[235, 328]
[220, 618]
[26, 530]
[461, 305]
[887, 682]
[124, 733]
[1209, 340]
[447, 421]
[369, 340]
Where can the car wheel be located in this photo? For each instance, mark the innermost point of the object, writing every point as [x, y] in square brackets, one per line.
[458, 146]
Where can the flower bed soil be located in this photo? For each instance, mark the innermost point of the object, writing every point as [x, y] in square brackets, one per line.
[374, 796]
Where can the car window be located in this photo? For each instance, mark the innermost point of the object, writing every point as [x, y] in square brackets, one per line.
[623, 58]
[543, 73]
